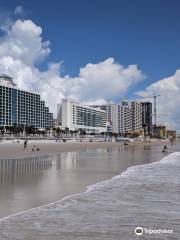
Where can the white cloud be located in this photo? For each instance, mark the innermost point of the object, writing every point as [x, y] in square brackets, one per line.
[168, 110]
[23, 42]
[18, 10]
[22, 47]
[108, 79]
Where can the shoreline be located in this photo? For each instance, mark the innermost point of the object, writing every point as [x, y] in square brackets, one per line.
[70, 175]
[15, 150]
[66, 198]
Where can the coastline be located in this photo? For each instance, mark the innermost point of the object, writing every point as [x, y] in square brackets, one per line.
[66, 173]
[15, 150]
[81, 214]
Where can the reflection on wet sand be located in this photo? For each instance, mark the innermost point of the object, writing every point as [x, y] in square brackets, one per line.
[14, 170]
[66, 160]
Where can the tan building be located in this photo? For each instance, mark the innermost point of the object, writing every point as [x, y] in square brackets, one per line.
[171, 134]
[136, 109]
[159, 131]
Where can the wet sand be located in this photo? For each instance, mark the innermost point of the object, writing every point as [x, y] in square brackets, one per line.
[9, 150]
[33, 181]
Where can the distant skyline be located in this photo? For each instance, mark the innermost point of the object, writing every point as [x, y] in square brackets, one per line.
[94, 51]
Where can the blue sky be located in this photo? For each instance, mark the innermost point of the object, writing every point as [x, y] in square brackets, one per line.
[142, 33]
[146, 33]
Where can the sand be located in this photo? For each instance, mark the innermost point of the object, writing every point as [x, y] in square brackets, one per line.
[9, 150]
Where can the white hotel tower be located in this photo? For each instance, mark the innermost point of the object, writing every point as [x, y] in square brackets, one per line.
[75, 116]
[124, 117]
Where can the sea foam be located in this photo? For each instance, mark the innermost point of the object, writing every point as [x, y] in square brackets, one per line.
[146, 196]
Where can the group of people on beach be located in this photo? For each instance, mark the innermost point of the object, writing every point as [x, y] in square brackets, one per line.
[34, 148]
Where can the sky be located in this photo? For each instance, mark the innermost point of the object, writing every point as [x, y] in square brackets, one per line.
[95, 51]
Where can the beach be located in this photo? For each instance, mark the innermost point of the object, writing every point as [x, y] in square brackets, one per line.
[82, 195]
[9, 149]
[31, 179]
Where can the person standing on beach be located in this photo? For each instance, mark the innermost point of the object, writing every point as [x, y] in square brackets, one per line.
[25, 144]
[165, 149]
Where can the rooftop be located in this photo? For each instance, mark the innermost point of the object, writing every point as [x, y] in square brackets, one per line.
[6, 80]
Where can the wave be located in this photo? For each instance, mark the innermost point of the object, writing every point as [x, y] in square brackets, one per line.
[144, 195]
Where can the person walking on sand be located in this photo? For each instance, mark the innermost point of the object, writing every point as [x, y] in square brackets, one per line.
[25, 144]
[165, 149]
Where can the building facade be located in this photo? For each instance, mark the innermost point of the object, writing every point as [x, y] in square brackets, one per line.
[19, 107]
[147, 118]
[171, 134]
[121, 118]
[159, 131]
[136, 111]
[75, 116]
[107, 108]
[124, 117]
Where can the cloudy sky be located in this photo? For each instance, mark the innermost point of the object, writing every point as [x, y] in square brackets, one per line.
[94, 51]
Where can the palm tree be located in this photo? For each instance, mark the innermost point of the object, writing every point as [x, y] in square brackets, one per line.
[66, 130]
[58, 130]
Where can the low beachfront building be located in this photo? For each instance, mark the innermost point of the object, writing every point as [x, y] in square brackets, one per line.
[75, 116]
[22, 108]
[171, 134]
[159, 131]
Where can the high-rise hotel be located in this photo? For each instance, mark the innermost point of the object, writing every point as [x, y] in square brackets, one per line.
[75, 116]
[124, 117]
[118, 115]
[20, 107]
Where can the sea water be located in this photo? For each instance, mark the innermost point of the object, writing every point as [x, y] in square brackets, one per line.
[146, 196]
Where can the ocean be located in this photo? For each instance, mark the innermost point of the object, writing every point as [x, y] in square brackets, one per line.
[145, 196]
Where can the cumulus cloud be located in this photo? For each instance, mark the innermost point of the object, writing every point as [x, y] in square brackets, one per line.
[108, 79]
[22, 47]
[23, 41]
[168, 111]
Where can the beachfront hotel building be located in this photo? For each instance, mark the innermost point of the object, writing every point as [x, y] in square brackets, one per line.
[136, 111]
[75, 116]
[147, 118]
[125, 117]
[121, 118]
[107, 108]
[22, 108]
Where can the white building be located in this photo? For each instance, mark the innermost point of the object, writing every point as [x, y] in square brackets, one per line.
[107, 108]
[124, 117]
[118, 115]
[75, 116]
[121, 118]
